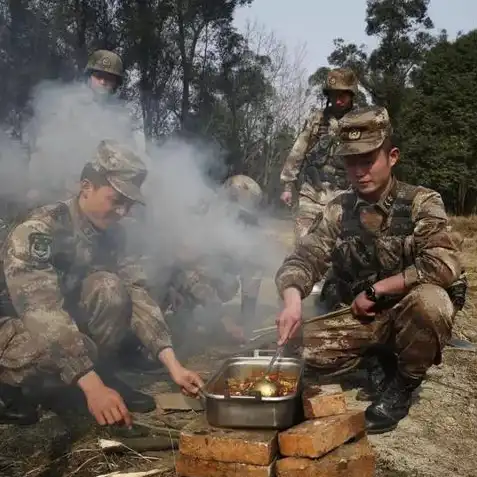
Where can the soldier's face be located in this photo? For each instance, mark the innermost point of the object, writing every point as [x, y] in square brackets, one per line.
[342, 99]
[103, 82]
[370, 173]
[103, 205]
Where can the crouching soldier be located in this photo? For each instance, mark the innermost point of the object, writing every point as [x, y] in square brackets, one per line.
[74, 295]
[391, 258]
[211, 281]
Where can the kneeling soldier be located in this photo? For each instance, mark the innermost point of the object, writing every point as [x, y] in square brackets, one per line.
[74, 295]
[391, 257]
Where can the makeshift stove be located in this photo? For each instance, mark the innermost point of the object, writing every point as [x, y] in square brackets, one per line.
[304, 431]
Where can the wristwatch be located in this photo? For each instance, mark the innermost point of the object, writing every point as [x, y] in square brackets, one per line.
[371, 294]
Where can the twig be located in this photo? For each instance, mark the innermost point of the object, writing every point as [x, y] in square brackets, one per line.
[83, 464]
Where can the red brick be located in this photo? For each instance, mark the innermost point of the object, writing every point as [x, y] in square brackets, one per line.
[202, 441]
[355, 459]
[323, 401]
[190, 467]
[320, 436]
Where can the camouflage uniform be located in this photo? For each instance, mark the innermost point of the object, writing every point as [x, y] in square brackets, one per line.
[73, 292]
[324, 173]
[404, 232]
[212, 281]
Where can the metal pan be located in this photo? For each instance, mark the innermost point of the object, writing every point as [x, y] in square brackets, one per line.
[223, 410]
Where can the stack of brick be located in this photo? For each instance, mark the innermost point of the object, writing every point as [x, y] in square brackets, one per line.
[331, 442]
[205, 451]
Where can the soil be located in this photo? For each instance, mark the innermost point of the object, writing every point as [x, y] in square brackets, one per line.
[437, 439]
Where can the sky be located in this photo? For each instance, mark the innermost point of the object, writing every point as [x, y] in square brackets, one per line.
[308, 23]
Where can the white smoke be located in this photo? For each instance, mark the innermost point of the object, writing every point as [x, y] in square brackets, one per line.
[67, 126]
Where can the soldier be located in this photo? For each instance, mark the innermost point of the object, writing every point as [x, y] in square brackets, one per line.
[214, 280]
[392, 259]
[313, 155]
[76, 294]
[104, 72]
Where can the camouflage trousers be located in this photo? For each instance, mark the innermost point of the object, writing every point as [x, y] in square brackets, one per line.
[103, 315]
[311, 203]
[207, 287]
[417, 328]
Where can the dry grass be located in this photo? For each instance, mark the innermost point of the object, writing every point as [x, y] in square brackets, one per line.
[466, 226]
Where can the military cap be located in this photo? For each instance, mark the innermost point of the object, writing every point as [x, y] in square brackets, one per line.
[122, 168]
[341, 79]
[244, 191]
[363, 130]
[105, 61]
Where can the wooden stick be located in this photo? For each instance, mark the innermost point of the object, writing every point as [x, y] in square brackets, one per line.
[332, 314]
[162, 431]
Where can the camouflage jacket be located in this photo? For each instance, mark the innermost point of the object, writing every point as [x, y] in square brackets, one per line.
[46, 257]
[318, 148]
[404, 232]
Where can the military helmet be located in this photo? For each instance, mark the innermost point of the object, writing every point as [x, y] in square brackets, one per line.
[244, 191]
[341, 79]
[105, 61]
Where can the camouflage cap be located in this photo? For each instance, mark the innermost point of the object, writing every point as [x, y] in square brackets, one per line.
[341, 79]
[245, 191]
[105, 61]
[122, 168]
[363, 131]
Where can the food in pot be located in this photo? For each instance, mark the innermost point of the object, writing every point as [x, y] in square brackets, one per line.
[285, 384]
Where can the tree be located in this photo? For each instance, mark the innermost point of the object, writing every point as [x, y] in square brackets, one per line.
[438, 123]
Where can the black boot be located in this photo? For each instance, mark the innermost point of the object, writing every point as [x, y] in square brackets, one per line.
[15, 408]
[381, 367]
[392, 406]
[132, 356]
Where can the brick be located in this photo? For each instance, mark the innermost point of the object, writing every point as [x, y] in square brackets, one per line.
[320, 436]
[190, 467]
[202, 441]
[355, 459]
[323, 401]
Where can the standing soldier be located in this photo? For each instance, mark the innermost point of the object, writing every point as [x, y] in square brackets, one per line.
[104, 74]
[313, 154]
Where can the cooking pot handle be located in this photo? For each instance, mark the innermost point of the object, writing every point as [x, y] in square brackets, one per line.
[258, 353]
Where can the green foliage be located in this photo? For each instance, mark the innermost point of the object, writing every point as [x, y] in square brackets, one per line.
[438, 123]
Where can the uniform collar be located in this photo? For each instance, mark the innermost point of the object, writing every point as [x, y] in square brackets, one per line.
[81, 222]
[386, 200]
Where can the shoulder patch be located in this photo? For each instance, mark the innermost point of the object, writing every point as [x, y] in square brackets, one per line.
[40, 246]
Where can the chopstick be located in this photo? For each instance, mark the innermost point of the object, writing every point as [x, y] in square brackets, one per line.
[332, 314]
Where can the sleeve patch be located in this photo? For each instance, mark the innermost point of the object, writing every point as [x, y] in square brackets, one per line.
[40, 247]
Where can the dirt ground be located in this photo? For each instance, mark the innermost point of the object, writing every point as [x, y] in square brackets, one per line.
[438, 439]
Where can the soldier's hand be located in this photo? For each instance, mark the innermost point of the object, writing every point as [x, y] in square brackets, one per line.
[232, 329]
[362, 306]
[286, 197]
[105, 404]
[289, 320]
[189, 381]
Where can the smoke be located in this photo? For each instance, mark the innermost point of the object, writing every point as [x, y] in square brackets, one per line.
[185, 217]
[67, 125]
